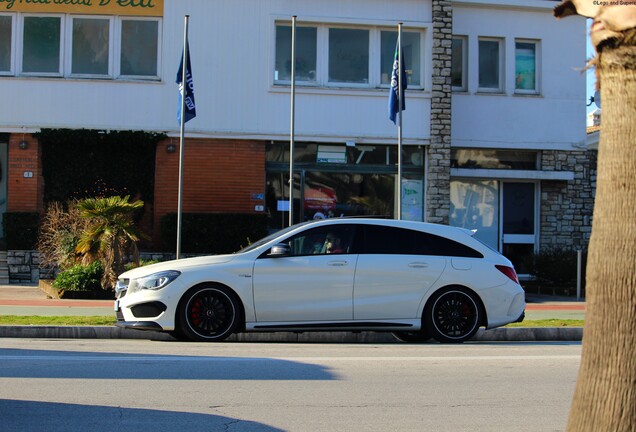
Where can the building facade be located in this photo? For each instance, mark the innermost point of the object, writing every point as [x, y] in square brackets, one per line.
[493, 135]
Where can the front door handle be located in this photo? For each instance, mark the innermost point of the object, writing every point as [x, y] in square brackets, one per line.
[337, 263]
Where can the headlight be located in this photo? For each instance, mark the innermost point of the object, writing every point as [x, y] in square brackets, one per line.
[157, 281]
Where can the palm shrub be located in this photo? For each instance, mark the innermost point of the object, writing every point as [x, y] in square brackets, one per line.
[110, 235]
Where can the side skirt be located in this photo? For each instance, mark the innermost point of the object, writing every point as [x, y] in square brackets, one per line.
[334, 326]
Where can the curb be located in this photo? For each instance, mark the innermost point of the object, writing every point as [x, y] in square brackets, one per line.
[524, 334]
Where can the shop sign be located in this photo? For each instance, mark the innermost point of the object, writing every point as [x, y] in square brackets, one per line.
[152, 8]
[331, 154]
[412, 200]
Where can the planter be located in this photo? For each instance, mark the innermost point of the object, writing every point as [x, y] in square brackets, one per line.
[46, 286]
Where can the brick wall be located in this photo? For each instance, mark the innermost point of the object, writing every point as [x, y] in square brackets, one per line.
[218, 176]
[24, 194]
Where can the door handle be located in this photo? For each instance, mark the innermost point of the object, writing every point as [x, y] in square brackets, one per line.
[418, 265]
[337, 263]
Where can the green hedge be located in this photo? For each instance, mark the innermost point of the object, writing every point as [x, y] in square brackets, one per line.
[81, 278]
[213, 233]
[556, 267]
[84, 163]
[21, 230]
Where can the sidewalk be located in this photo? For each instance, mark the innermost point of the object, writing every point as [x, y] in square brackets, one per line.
[27, 300]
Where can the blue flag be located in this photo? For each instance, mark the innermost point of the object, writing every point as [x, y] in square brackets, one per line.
[393, 93]
[190, 107]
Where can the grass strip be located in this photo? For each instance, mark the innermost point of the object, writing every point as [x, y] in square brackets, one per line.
[18, 320]
[549, 323]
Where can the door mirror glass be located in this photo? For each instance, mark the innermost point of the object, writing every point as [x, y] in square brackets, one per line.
[279, 250]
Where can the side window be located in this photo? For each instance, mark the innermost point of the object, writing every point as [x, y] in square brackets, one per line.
[335, 239]
[388, 240]
[430, 244]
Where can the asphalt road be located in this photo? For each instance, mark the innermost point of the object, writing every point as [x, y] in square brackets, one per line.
[132, 385]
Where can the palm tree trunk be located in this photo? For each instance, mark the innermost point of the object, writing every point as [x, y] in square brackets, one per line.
[605, 396]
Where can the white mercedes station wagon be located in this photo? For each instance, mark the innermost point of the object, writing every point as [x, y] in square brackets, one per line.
[414, 279]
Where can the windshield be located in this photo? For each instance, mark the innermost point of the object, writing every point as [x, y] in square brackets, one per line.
[271, 237]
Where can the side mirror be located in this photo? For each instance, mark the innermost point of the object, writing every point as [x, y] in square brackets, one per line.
[279, 250]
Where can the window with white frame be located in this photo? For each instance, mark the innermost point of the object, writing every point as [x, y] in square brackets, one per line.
[334, 56]
[348, 56]
[526, 55]
[305, 54]
[80, 46]
[139, 50]
[6, 40]
[412, 49]
[42, 45]
[490, 65]
[90, 47]
[459, 63]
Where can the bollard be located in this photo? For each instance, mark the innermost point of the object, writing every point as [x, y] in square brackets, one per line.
[579, 260]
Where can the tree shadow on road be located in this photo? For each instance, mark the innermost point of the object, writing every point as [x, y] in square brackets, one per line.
[35, 416]
[20, 363]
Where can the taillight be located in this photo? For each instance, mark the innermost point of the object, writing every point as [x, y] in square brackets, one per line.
[508, 271]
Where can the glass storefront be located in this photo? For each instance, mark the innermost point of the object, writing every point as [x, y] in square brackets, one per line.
[503, 213]
[335, 180]
[475, 205]
[494, 159]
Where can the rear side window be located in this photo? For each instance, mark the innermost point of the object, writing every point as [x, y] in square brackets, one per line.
[401, 241]
[430, 244]
[388, 240]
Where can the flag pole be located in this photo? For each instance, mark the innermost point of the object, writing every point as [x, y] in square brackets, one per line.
[181, 134]
[292, 120]
[399, 191]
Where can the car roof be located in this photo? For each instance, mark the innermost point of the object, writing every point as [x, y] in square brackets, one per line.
[432, 228]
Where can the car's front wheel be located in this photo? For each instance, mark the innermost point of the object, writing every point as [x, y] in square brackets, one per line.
[453, 315]
[208, 314]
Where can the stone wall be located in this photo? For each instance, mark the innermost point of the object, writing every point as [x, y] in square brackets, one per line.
[24, 266]
[438, 175]
[567, 206]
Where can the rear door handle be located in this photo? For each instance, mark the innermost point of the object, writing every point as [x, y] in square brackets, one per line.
[418, 265]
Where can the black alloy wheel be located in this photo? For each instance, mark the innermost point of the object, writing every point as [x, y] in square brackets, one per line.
[453, 315]
[208, 314]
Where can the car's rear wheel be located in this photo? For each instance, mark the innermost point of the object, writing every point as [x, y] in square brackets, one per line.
[208, 314]
[453, 315]
[412, 336]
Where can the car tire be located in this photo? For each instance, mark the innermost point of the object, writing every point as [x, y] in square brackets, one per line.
[453, 315]
[208, 314]
[412, 336]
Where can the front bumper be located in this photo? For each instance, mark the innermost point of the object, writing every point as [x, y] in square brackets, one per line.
[145, 310]
[139, 325]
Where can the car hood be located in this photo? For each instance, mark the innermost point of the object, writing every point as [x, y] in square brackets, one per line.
[179, 265]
